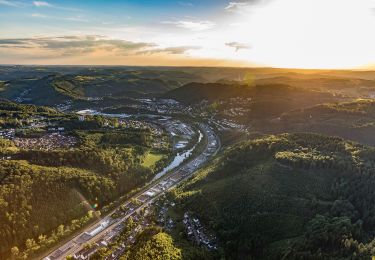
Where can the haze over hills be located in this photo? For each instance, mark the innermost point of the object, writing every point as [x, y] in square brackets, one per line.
[51, 85]
[48, 86]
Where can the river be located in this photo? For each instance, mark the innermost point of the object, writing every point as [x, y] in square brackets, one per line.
[177, 160]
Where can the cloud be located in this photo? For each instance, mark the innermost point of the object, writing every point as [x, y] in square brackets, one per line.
[10, 3]
[237, 45]
[192, 25]
[41, 4]
[240, 6]
[84, 46]
[235, 6]
[72, 45]
[47, 4]
[170, 50]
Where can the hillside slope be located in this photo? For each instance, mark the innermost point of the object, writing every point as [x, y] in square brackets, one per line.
[293, 195]
[55, 85]
[352, 120]
[51, 184]
[196, 92]
[354, 87]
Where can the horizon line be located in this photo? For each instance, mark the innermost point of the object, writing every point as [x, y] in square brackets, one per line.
[190, 66]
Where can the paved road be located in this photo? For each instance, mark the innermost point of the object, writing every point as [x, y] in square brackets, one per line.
[108, 227]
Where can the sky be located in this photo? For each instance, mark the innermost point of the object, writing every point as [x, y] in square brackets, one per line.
[336, 34]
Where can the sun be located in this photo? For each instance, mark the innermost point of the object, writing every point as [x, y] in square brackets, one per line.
[310, 33]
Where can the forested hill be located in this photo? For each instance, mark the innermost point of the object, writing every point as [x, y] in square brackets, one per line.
[196, 92]
[53, 183]
[58, 85]
[352, 120]
[291, 196]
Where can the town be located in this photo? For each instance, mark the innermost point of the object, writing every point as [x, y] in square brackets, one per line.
[48, 142]
[137, 208]
[141, 209]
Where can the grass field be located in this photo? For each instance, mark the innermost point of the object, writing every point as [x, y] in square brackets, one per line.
[151, 159]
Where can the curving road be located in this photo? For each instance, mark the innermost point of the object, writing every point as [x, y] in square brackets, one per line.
[107, 228]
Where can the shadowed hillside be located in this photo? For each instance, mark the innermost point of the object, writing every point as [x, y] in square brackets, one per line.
[294, 196]
[352, 120]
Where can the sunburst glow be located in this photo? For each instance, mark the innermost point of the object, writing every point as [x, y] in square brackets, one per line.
[312, 33]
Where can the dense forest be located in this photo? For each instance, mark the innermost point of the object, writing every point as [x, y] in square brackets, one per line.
[33, 185]
[47, 194]
[351, 120]
[297, 196]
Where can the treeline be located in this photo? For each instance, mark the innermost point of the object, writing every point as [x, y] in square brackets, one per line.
[103, 161]
[7, 106]
[115, 138]
[18, 115]
[14, 115]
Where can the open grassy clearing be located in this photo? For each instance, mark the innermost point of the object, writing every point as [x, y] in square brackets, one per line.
[151, 159]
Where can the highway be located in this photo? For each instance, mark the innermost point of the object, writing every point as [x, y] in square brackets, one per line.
[107, 228]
